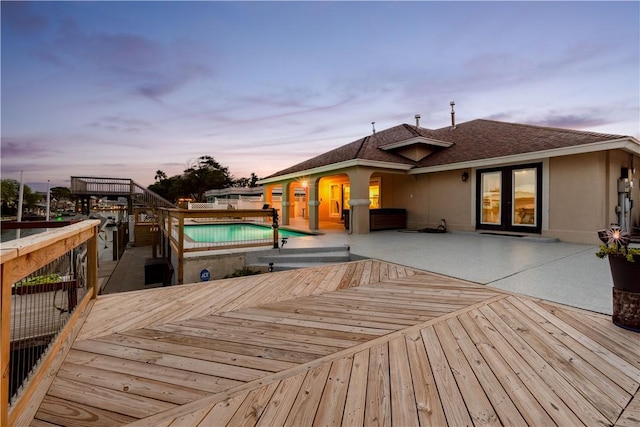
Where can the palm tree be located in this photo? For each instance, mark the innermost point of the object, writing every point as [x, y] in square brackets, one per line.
[160, 175]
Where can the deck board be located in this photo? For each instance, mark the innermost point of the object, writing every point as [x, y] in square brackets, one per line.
[360, 343]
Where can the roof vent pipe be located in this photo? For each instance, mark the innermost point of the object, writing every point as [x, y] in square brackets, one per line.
[373, 125]
[453, 115]
[417, 120]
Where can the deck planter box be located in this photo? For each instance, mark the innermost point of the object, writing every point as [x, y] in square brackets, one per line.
[70, 286]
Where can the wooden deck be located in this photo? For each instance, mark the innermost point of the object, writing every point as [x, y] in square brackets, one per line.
[361, 343]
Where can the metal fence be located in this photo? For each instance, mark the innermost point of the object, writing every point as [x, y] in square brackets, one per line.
[47, 281]
[41, 304]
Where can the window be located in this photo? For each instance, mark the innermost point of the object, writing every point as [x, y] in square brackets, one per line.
[374, 194]
[336, 200]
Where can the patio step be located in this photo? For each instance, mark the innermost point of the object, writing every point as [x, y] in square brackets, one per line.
[292, 258]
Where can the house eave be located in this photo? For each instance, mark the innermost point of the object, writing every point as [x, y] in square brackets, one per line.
[629, 144]
[323, 170]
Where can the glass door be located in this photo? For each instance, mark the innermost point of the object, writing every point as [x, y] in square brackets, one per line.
[509, 198]
[491, 183]
[524, 211]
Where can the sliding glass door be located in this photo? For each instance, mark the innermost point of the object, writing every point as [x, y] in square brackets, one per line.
[509, 198]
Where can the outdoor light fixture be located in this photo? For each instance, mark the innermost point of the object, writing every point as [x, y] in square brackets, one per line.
[465, 176]
[303, 181]
[602, 235]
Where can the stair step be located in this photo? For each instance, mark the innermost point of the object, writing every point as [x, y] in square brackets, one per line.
[289, 266]
[321, 249]
[292, 258]
[306, 257]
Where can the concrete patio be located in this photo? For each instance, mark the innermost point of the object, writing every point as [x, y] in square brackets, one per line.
[566, 273]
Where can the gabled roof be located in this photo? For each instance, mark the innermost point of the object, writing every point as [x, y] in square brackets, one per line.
[467, 142]
[485, 139]
[365, 149]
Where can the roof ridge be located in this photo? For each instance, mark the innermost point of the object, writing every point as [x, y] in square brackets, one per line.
[364, 140]
[551, 128]
[412, 129]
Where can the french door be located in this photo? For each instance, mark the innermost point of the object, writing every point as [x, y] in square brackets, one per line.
[509, 198]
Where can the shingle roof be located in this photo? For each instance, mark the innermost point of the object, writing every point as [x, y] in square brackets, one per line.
[473, 140]
[485, 139]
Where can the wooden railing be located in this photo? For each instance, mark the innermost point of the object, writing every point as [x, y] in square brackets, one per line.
[176, 240]
[148, 197]
[117, 187]
[25, 263]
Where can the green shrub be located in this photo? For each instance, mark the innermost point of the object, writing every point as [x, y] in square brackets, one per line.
[39, 280]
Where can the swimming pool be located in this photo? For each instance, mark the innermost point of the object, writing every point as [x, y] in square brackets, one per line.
[234, 232]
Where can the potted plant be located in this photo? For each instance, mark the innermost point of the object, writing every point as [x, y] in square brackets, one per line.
[624, 263]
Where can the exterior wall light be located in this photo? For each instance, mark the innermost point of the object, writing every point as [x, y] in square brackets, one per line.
[465, 176]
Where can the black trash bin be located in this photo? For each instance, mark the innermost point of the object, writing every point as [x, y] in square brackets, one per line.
[157, 270]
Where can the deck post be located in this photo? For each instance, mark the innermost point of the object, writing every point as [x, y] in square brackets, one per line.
[92, 263]
[313, 204]
[5, 338]
[275, 226]
[359, 201]
[285, 212]
[180, 247]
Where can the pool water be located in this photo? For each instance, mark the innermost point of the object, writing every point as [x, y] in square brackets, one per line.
[219, 233]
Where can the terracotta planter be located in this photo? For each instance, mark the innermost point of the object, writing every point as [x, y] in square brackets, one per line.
[626, 292]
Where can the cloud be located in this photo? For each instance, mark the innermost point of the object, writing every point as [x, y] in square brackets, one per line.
[570, 121]
[274, 107]
[19, 147]
[20, 18]
[125, 61]
[581, 119]
[120, 124]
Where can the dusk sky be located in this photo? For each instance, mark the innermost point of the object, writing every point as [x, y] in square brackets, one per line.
[123, 89]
